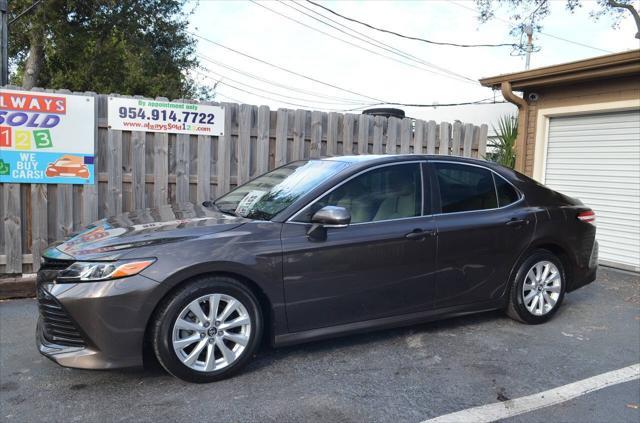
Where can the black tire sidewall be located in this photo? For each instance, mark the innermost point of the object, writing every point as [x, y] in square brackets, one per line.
[166, 316]
[516, 299]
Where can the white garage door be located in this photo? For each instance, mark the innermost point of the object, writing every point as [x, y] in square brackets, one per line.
[596, 158]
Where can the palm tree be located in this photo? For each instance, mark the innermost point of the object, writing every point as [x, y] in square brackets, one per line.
[504, 144]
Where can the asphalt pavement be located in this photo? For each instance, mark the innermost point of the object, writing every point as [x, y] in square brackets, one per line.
[401, 375]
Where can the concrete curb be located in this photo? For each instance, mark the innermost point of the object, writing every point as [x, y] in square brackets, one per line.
[18, 287]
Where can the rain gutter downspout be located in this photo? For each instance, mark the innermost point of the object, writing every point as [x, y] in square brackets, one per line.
[523, 111]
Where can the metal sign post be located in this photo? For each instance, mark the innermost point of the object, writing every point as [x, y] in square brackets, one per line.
[4, 44]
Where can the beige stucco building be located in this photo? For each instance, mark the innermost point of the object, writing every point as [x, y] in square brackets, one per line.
[579, 133]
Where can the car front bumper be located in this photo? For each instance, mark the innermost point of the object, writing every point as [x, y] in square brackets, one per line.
[94, 325]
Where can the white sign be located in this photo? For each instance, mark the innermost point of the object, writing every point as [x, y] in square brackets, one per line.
[46, 138]
[131, 114]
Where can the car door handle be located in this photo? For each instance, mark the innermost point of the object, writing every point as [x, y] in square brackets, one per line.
[418, 234]
[517, 222]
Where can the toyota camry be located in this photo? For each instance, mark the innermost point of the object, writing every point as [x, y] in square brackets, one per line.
[308, 251]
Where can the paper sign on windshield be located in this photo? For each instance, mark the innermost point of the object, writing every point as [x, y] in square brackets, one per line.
[248, 201]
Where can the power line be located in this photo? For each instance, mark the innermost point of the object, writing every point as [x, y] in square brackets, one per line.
[25, 11]
[540, 32]
[285, 69]
[234, 87]
[372, 41]
[253, 87]
[435, 105]
[477, 102]
[441, 43]
[453, 74]
[276, 84]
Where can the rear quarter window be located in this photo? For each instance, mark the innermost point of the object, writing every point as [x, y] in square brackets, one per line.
[507, 194]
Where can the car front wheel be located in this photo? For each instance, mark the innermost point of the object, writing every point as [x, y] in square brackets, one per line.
[207, 330]
[538, 288]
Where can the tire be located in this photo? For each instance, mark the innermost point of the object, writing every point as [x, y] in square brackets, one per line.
[523, 306]
[176, 342]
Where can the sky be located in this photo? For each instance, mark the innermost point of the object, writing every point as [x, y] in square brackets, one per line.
[431, 73]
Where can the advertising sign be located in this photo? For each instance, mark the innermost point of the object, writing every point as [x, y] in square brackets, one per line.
[46, 138]
[131, 114]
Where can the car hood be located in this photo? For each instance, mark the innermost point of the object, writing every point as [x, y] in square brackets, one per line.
[115, 237]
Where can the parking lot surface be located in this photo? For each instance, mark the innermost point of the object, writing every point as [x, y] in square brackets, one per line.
[401, 375]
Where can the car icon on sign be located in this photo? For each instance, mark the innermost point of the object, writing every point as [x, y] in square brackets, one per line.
[68, 166]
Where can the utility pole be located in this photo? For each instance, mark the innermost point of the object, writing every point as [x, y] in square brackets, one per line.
[528, 29]
[4, 44]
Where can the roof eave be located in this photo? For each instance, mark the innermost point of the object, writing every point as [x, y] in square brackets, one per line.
[613, 65]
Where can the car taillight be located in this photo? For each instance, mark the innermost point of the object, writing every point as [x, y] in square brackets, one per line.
[587, 216]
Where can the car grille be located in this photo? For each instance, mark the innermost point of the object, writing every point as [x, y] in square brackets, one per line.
[57, 326]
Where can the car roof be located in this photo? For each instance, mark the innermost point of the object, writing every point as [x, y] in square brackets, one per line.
[388, 158]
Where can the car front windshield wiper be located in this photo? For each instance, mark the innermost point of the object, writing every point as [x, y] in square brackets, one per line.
[212, 204]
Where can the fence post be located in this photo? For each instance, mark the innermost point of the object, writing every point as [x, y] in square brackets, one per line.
[12, 225]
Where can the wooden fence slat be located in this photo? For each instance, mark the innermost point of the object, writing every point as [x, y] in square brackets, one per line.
[64, 211]
[244, 143]
[482, 141]
[332, 133]
[223, 165]
[405, 136]
[203, 188]
[39, 223]
[378, 134]
[12, 225]
[182, 168]
[262, 150]
[393, 125]
[445, 129]
[114, 170]
[299, 129]
[160, 169]
[432, 129]
[363, 133]
[138, 170]
[348, 125]
[456, 138]
[282, 127]
[468, 140]
[316, 134]
[419, 136]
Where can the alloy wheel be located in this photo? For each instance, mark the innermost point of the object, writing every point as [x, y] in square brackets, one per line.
[211, 332]
[541, 288]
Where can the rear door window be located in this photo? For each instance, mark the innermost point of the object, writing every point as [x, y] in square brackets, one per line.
[465, 188]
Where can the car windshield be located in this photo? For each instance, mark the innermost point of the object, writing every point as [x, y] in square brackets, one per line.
[269, 194]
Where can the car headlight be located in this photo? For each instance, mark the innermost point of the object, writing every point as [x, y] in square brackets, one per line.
[91, 271]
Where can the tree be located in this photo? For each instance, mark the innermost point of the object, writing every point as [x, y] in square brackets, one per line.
[131, 47]
[533, 12]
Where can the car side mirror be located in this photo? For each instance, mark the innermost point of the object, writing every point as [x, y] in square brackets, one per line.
[328, 217]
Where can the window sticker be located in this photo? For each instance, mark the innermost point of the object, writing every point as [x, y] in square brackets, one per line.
[248, 201]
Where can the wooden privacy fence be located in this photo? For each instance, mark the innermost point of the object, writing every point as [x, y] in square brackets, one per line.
[136, 170]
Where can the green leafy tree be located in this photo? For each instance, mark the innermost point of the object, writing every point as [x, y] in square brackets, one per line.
[503, 146]
[131, 47]
[533, 12]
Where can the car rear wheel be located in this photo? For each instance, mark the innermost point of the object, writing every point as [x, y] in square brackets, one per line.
[538, 288]
[207, 330]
